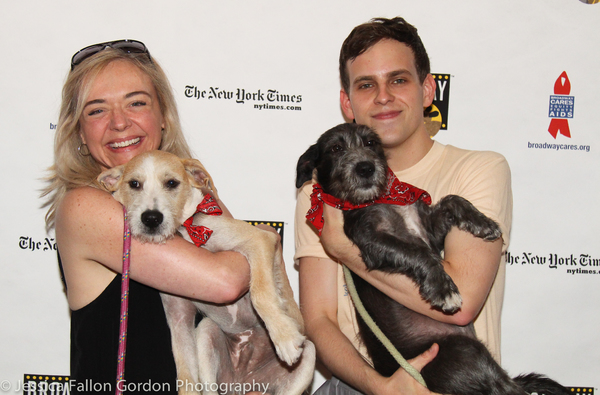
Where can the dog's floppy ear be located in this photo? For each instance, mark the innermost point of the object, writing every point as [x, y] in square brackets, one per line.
[306, 164]
[111, 179]
[200, 175]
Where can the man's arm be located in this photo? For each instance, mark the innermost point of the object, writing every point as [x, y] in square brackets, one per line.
[471, 262]
[318, 302]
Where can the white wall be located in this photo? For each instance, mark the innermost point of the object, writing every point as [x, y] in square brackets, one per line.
[503, 58]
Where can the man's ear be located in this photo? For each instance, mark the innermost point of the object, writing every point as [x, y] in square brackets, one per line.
[199, 176]
[346, 105]
[111, 179]
[428, 90]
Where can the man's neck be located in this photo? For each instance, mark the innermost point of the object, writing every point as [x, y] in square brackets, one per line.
[408, 153]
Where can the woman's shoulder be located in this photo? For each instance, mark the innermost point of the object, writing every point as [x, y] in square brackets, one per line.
[83, 203]
[83, 196]
[87, 234]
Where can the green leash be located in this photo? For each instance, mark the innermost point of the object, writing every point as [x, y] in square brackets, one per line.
[378, 333]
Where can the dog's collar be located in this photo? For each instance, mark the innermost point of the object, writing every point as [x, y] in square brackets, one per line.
[201, 234]
[398, 192]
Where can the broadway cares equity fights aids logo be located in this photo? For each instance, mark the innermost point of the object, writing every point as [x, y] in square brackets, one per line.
[561, 107]
[561, 110]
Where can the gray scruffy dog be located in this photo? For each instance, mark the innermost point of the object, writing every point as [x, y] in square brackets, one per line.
[349, 164]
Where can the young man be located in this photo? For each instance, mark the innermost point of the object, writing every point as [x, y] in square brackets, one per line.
[386, 85]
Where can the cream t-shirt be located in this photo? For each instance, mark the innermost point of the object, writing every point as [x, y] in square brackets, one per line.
[481, 177]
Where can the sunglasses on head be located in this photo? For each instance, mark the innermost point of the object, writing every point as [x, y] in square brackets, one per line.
[127, 46]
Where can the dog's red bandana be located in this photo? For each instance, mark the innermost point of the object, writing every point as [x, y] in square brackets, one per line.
[397, 192]
[201, 234]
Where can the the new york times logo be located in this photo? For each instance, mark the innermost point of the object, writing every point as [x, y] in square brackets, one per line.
[572, 263]
[29, 243]
[241, 95]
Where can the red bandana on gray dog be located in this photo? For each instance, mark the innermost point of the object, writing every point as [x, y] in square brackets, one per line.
[398, 192]
[201, 234]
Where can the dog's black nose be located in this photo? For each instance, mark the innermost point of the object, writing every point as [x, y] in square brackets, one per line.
[152, 218]
[365, 169]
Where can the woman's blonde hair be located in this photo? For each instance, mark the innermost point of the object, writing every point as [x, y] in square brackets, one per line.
[71, 169]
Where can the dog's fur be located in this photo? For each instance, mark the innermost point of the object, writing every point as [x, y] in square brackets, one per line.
[231, 344]
[349, 163]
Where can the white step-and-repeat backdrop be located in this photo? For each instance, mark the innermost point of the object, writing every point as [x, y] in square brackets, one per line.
[513, 76]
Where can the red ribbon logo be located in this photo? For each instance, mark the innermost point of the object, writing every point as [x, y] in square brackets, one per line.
[561, 107]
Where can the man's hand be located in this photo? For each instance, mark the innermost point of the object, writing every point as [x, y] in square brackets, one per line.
[333, 237]
[402, 383]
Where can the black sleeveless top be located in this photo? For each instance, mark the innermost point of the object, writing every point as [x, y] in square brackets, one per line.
[149, 363]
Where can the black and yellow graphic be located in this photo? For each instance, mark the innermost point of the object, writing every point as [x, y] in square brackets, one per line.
[436, 115]
[581, 390]
[45, 384]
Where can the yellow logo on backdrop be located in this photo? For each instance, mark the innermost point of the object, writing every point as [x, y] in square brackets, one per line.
[581, 390]
[436, 115]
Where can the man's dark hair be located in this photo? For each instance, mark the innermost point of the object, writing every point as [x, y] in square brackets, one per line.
[368, 34]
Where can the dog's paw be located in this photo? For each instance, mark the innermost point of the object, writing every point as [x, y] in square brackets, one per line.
[492, 233]
[290, 351]
[441, 292]
[488, 231]
[482, 227]
[288, 343]
[448, 302]
[451, 303]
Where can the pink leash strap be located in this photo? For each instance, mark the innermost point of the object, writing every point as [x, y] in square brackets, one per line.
[124, 304]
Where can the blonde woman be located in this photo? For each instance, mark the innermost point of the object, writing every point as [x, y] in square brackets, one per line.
[116, 104]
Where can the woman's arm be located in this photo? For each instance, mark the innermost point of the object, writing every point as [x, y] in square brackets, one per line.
[89, 232]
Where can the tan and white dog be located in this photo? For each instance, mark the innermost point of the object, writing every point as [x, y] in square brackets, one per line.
[257, 339]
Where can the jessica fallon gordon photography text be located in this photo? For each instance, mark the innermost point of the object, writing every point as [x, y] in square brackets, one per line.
[32, 387]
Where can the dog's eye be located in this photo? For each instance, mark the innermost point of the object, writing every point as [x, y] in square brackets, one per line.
[370, 143]
[172, 184]
[337, 148]
[135, 184]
